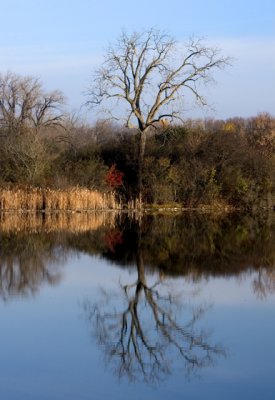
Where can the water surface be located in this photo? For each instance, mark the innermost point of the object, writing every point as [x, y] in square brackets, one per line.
[105, 306]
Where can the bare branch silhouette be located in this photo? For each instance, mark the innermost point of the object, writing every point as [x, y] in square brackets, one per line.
[140, 339]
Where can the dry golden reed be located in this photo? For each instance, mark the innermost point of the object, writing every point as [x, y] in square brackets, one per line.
[37, 199]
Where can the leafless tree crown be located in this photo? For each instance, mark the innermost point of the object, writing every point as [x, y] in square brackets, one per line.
[148, 71]
[25, 106]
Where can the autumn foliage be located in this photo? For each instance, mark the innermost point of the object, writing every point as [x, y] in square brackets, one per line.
[114, 177]
[112, 238]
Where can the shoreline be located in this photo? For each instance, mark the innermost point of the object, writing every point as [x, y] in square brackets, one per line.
[84, 200]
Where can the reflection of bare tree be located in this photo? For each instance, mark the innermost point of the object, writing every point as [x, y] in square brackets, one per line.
[142, 339]
[24, 277]
[264, 282]
[26, 264]
[33, 247]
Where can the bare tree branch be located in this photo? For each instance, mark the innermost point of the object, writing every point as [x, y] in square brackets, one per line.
[147, 59]
[24, 106]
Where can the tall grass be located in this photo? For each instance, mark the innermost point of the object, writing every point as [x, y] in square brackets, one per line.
[37, 199]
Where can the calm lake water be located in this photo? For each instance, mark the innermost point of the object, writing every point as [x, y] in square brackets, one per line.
[116, 307]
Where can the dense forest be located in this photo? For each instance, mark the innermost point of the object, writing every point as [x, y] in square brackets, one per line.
[218, 163]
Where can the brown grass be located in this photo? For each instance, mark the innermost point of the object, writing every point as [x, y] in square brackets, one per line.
[37, 199]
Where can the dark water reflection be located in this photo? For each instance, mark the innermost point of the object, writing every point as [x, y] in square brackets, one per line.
[195, 246]
[147, 325]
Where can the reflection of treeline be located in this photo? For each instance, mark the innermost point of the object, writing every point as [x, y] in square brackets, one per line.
[196, 245]
[203, 246]
[192, 245]
[193, 164]
[34, 246]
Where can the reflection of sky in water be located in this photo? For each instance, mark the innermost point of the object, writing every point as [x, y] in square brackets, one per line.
[47, 351]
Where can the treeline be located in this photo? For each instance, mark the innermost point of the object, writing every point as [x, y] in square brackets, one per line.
[197, 163]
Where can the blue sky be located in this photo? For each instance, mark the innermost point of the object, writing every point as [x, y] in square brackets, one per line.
[61, 41]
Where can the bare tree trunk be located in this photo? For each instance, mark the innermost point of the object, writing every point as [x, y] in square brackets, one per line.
[142, 142]
[141, 280]
[140, 269]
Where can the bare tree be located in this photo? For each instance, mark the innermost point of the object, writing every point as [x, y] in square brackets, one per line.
[25, 106]
[148, 72]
